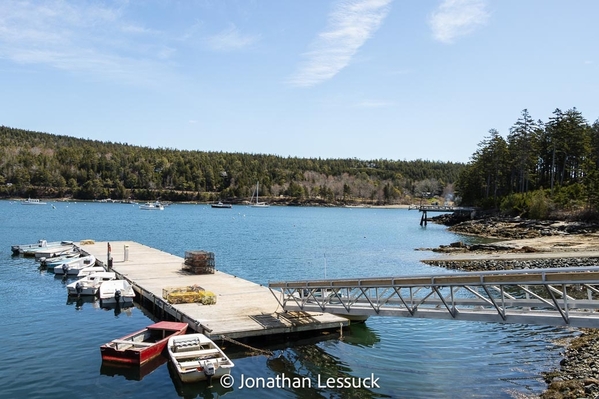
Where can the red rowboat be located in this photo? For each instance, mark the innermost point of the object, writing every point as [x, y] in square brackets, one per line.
[141, 346]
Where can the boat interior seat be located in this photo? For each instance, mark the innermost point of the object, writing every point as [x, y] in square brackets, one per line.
[196, 354]
[186, 345]
[192, 364]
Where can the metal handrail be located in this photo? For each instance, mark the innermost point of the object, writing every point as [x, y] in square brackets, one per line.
[497, 296]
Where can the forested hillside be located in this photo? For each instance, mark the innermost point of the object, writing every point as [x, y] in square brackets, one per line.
[541, 168]
[46, 165]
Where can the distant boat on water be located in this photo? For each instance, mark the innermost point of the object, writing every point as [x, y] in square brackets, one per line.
[221, 205]
[258, 204]
[152, 206]
[32, 201]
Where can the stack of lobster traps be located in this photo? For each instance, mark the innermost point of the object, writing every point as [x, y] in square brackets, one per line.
[199, 262]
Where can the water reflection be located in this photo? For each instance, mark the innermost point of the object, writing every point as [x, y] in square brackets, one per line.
[198, 389]
[79, 302]
[359, 334]
[136, 373]
[329, 376]
[118, 308]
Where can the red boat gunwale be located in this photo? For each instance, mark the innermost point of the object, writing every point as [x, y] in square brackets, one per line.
[140, 352]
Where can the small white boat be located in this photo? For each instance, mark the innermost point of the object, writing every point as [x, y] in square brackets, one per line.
[116, 291]
[72, 267]
[152, 206]
[57, 259]
[53, 252]
[51, 263]
[197, 358]
[32, 201]
[90, 270]
[90, 284]
[30, 248]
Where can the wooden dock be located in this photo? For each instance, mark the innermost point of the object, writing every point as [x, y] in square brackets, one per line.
[439, 208]
[243, 309]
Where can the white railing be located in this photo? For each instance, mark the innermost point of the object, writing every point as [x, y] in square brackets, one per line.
[556, 296]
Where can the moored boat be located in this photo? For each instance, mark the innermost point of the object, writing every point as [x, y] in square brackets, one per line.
[51, 263]
[32, 201]
[258, 204]
[152, 206]
[116, 292]
[221, 205]
[53, 252]
[22, 249]
[44, 262]
[197, 358]
[90, 270]
[89, 284]
[142, 346]
[72, 267]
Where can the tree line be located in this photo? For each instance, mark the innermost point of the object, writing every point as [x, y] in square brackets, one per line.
[36, 164]
[539, 169]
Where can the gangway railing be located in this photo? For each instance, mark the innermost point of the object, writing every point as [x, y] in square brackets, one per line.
[555, 296]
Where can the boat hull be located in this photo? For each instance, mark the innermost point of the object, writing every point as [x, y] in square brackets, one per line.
[116, 291]
[87, 291]
[32, 201]
[29, 249]
[220, 205]
[157, 206]
[133, 349]
[194, 356]
[90, 284]
[194, 375]
[72, 267]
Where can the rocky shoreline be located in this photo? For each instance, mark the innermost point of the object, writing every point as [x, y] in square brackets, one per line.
[578, 375]
[511, 264]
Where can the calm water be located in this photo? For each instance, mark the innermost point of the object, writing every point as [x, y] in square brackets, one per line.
[54, 344]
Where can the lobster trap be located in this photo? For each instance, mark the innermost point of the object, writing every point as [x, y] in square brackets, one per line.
[199, 262]
[190, 294]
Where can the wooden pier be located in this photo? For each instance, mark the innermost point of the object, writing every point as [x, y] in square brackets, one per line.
[243, 309]
[440, 208]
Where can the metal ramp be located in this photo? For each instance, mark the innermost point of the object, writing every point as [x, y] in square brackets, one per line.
[556, 296]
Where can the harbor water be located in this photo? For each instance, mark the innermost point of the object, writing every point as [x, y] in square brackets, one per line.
[51, 343]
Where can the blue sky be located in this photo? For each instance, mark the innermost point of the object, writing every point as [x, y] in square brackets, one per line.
[366, 79]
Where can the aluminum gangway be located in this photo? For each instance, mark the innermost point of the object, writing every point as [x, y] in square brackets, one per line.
[555, 296]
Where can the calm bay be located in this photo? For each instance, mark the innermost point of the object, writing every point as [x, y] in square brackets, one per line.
[51, 344]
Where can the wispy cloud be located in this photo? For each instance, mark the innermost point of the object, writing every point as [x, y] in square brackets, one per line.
[350, 25]
[374, 104]
[89, 38]
[230, 39]
[455, 18]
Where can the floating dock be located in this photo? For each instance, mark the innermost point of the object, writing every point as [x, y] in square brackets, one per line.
[243, 309]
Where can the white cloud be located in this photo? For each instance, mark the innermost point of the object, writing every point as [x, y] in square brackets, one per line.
[350, 25]
[230, 39]
[89, 38]
[455, 18]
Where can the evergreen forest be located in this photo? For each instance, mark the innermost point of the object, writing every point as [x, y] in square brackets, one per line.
[42, 165]
[541, 170]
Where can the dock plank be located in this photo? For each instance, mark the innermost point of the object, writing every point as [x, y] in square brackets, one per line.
[243, 308]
